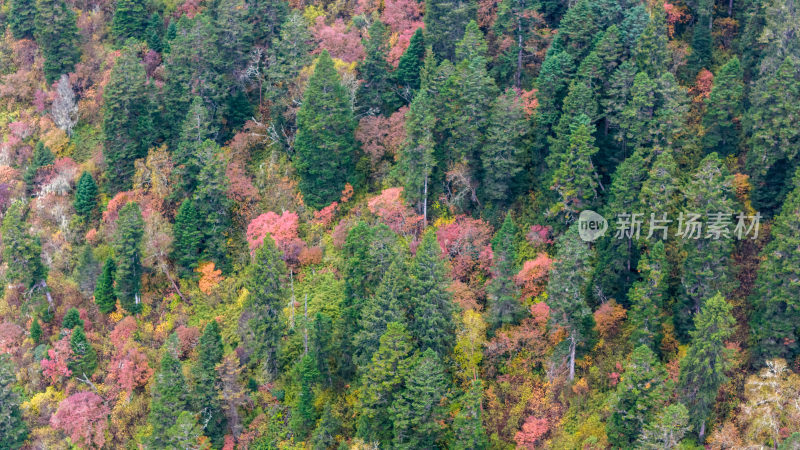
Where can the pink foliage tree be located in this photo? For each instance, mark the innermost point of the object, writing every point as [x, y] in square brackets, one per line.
[467, 243]
[390, 207]
[128, 368]
[532, 279]
[533, 430]
[340, 42]
[382, 138]
[83, 417]
[283, 230]
[403, 17]
[54, 366]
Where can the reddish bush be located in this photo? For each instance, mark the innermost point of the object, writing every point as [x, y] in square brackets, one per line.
[188, 338]
[390, 207]
[54, 366]
[532, 279]
[83, 416]
[467, 243]
[282, 229]
[310, 256]
[340, 42]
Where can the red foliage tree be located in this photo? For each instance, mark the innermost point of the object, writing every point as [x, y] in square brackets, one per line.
[83, 417]
[340, 42]
[532, 431]
[390, 207]
[467, 243]
[54, 366]
[128, 368]
[532, 279]
[283, 230]
[382, 138]
[608, 318]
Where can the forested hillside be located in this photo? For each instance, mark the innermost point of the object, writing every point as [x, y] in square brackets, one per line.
[460, 224]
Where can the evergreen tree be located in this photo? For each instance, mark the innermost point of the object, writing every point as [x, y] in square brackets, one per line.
[13, 430]
[445, 21]
[724, 110]
[290, 54]
[382, 308]
[774, 323]
[640, 393]
[565, 290]
[130, 20]
[104, 294]
[431, 306]
[376, 94]
[187, 237]
[651, 52]
[703, 368]
[648, 296]
[259, 325]
[36, 330]
[552, 84]
[325, 145]
[154, 32]
[304, 416]
[56, 34]
[418, 156]
[503, 304]
[418, 412]
[213, 204]
[266, 18]
[127, 125]
[42, 156]
[666, 430]
[575, 178]
[169, 397]
[579, 102]
[72, 319]
[84, 358]
[196, 129]
[128, 256]
[468, 431]
[517, 22]
[382, 382]
[204, 395]
[660, 191]
[577, 30]
[324, 436]
[636, 120]
[21, 252]
[502, 156]
[22, 18]
[186, 433]
[85, 195]
[409, 66]
[701, 46]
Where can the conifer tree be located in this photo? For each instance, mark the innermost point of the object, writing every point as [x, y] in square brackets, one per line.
[85, 195]
[409, 66]
[552, 84]
[130, 20]
[205, 395]
[42, 156]
[22, 18]
[127, 125]
[196, 129]
[565, 290]
[648, 296]
[154, 32]
[667, 429]
[56, 34]
[636, 120]
[128, 257]
[267, 18]
[468, 431]
[304, 415]
[661, 188]
[445, 21]
[503, 304]
[651, 52]
[579, 101]
[431, 305]
[382, 383]
[104, 294]
[84, 358]
[382, 308]
[213, 204]
[418, 156]
[502, 156]
[21, 252]
[517, 22]
[640, 393]
[703, 368]
[325, 145]
[774, 322]
[13, 429]
[724, 110]
[36, 330]
[376, 94]
[169, 397]
[701, 45]
[259, 325]
[71, 319]
[575, 178]
[187, 237]
[327, 429]
[418, 412]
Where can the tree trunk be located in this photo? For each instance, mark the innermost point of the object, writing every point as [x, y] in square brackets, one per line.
[425, 201]
[572, 345]
[518, 75]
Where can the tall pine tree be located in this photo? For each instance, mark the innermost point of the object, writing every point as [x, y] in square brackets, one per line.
[104, 294]
[56, 34]
[169, 396]
[128, 256]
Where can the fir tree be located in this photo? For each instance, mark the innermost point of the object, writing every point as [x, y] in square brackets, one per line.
[565, 290]
[701, 45]
[382, 308]
[169, 396]
[503, 304]
[154, 33]
[36, 330]
[703, 368]
[42, 156]
[724, 110]
[72, 319]
[418, 412]
[21, 252]
[418, 156]
[84, 358]
[259, 325]
[187, 236]
[640, 393]
[205, 395]
[375, 95]
[304, 415]
[267, 18]
[196, 129]
[213, 204]
[56, 34]
[651, 53]
[468, 431]
[13, 430]
[502, 156]
[325, 144]
[104, 294]
[324, 436]
[445, 21]
[382, 382]
[85, 195]
[575, 178]
[409, 66]
[579, 101]
[128, 256]
[127, 125]
[774, 322]
[130, 20]
[648, 296]
[431, 306]
[22, 18]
